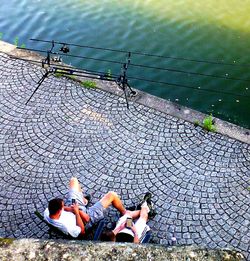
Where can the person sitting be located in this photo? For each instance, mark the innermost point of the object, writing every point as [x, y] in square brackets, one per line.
[73, 217]
[134, 232]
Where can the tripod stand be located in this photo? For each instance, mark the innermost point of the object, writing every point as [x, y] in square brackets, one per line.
[45, 61]
[122, 80]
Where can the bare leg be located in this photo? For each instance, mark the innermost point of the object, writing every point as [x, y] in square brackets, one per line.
[111, 198]
[144, 212]
[134, 214]
[74, 184]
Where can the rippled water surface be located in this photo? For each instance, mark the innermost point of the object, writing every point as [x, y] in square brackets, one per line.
[212, 30]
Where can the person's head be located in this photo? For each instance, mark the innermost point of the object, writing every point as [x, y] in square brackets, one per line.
[124, 237]
[107, 236]
[55, 205]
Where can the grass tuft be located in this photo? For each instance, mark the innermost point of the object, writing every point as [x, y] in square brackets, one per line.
[89, 84]
[208, 124]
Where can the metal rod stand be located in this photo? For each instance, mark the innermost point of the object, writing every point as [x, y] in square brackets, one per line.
[39, 84]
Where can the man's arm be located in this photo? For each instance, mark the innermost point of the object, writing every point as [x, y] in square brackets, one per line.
[136, 238]
[118, 229]
[68, 209]
[79, 221]
[85, 217]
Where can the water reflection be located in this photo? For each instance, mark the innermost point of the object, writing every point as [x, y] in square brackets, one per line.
[210, 30]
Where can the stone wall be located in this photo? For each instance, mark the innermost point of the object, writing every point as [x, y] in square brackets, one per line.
[31, 249]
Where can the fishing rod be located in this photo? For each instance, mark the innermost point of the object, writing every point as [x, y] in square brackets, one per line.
[121, 79]
[70, 55]
[69, 70]
[103, 75]
[141, 53]
[138, 65]
[188, 87]
[189, 72]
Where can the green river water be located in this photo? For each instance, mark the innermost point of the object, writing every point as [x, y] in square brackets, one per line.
[214, 30]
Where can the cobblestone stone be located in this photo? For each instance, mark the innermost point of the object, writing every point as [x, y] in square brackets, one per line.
[199, 180]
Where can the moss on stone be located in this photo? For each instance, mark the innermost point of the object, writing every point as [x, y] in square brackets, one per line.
[6, 241]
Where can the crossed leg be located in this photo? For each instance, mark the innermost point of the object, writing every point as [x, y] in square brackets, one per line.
[111, 198]
[144, 212]
[141, 214]
[74, 184]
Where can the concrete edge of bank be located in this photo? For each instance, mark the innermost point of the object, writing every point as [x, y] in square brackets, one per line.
[223, 127]
[38, 249]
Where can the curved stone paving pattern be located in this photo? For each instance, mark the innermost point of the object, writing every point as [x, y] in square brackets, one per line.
[199, 179]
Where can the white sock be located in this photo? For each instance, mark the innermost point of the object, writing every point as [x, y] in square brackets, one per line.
[145, 205]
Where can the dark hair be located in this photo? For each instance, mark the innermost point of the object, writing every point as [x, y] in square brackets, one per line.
[55, 205]
[107, 236]
[124, 237]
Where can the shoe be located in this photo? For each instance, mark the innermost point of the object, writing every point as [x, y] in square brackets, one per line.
[88, 197]
[152, 212]
[147, 197]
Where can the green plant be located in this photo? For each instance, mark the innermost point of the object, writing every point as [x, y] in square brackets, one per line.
[89, 84]
[57, 74]
[208, 124]
[60, 73]
[109, 74]
[16, 41]
[1, 35]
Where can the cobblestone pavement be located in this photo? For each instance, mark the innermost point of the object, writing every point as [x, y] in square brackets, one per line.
[199, 180]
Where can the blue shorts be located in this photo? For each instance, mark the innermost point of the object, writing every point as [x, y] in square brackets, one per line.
[95, 212]
[78, 196]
